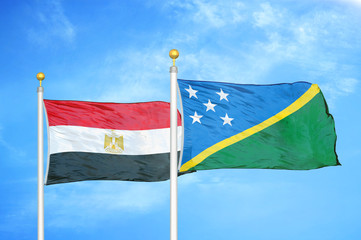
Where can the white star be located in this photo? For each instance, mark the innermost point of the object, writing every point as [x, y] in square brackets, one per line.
[210, 106]
[191, 91]
[227, 120]
[196, 118]
[222, 95]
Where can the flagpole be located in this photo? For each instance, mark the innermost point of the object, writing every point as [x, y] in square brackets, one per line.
[173, 148]
[40, 76]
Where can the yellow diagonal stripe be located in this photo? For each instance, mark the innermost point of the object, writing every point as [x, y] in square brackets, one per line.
[296, 105]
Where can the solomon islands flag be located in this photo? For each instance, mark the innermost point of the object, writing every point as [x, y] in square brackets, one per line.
[108, 141]
[279, 126]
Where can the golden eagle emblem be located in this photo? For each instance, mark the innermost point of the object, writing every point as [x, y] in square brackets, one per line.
[113, 143]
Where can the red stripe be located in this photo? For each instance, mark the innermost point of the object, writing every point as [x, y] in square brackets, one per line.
[121, 116]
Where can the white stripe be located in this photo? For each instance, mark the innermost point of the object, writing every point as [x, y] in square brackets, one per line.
[85, 139]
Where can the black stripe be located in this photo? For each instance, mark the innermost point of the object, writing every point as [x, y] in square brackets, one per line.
[81, 166]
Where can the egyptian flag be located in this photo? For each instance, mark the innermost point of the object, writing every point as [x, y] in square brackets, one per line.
[108, 141]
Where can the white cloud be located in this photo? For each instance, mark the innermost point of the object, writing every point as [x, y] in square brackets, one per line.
[53, 24]
[215, 14]
[353, 2]
[84, 204]
[304, 34]
[305, 41]
[336, 88]
[344, 86]
[132, 76]
[348, 85]
[211, 188]
[268, 16]
[218, 15]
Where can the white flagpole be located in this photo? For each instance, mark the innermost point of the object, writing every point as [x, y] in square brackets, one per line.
[173, 148]
[40, 76]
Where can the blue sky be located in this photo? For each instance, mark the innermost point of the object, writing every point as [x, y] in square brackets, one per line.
[118, 51]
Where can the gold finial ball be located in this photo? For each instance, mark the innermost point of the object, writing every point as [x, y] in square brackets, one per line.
[173, 53]
[40, 76]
